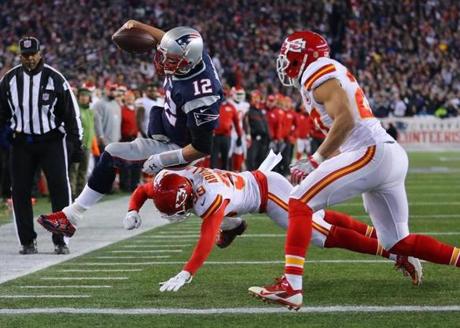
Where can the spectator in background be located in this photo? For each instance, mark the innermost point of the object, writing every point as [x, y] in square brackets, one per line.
[258, 130]
[107, 117]
[129, 176]
[78, 171]
[289, 133]
[303, 133]
[398, 106]
[275, 119]
[228, 118]
[144, 105]
[392, 131]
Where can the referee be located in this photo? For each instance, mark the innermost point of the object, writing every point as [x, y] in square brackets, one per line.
[40, 123]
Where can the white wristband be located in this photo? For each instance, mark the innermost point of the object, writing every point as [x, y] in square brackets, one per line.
[172, 158]
[318, 158]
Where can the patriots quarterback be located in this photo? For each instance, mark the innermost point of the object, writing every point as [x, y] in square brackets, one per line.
[179, 133]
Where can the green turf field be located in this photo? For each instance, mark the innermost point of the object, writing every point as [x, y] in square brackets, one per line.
[126, 275]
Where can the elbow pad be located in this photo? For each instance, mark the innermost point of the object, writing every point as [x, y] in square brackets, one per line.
[202, 140]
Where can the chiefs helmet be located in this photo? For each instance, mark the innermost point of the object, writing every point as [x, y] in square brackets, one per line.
[238, 94]
[173, 197]
[298, 51]
[179, 51]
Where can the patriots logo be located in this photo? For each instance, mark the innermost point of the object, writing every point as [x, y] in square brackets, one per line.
[185, 40]
[201, 118]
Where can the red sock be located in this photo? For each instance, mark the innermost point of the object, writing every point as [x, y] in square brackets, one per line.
[298, 236]
[349, 239]
[427, 248]
[346, 221]
[237, 161]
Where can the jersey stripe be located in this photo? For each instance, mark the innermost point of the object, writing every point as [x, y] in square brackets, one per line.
[319, 73]
[320, 229]
[330, 178]
[278, 201]
[455, 256]
[214, 206]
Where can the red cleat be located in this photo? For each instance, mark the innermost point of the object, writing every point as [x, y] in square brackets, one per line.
[280, 293]
[57, 223]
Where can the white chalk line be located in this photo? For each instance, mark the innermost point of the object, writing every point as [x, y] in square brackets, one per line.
[67, 286]
[229, 262]
[150, 246]
[100, 270]
[148, 251]
[84, 278]
[44, 296]
[131, 257]
[240, 310]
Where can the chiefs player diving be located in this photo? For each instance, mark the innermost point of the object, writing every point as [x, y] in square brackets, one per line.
[221, 197]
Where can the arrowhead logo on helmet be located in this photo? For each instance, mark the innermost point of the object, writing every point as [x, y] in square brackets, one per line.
[298, 51]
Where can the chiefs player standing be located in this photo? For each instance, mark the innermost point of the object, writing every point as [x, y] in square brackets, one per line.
[357, 157]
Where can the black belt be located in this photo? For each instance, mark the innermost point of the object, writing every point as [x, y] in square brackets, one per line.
[37, 138]
[390, 142]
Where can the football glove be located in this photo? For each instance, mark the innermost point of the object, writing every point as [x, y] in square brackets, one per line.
[302, 168]
[152, 165]
[132, 220]
[176, 282]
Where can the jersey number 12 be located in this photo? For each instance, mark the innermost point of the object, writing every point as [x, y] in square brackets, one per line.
[202, 86]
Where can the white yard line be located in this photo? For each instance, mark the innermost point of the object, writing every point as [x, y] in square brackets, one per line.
[411, 204]
[149, 251]
[100, 270]
[67, 286]
[84, 278]
[241, 310]
[132, 257]
[44, 296]
[150, 246]
[227, 262]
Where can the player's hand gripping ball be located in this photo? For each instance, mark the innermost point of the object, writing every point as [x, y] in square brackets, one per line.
[133, 39]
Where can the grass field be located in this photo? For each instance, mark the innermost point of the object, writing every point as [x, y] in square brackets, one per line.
[123, 278]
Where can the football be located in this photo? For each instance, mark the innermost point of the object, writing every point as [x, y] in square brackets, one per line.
[134, 40]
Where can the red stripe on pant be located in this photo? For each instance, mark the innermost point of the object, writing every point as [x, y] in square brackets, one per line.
[298, 232]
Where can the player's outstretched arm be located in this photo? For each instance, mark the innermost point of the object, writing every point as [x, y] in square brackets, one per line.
[156, 33]
[336, 103]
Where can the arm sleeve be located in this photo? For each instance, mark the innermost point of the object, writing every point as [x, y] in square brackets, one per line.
[139, 196]
[5, 112]
[201, 140]
[69, 111]
[209, 229]
[237, 123]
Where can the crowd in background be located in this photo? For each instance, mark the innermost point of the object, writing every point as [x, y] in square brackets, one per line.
[404, 53]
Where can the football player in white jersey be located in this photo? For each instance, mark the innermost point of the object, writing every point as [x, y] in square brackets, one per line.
[237, 153]
[357, 158]
[221, 197]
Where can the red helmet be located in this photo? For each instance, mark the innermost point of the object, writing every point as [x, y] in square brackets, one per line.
[298, 51]
[173, 196]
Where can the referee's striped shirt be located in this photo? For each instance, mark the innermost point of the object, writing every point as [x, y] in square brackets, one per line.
[38, 102]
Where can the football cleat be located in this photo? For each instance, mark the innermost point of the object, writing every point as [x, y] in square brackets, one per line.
[57, 223]
[61, 250]
[410, 267]
[280, 293]
[30, 248]
[226, 237]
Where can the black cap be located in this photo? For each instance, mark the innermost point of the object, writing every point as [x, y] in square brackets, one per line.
[29, 45]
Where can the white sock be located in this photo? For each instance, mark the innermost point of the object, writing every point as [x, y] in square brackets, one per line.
[294, 280]
[229, 223]
[88, 197]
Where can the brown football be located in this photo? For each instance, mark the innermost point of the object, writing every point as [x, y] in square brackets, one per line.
[134, 40]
